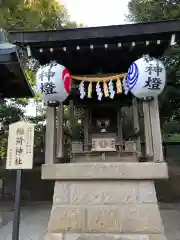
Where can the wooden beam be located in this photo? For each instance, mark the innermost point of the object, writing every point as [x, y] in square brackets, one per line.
[60, 132]
[136, 123]
[147, 129]
[50, 135]
[156, 131]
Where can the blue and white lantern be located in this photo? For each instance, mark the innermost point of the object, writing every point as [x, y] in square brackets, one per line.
[146, 77]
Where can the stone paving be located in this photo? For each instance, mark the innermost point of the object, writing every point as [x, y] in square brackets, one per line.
[171, 218]
[34, 220]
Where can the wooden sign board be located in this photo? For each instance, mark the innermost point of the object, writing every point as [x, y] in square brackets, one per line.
[20, 146]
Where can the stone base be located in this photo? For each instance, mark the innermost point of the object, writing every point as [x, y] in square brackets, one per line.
[72, 236]
[86, 157]
[1, 220]
[112, 209]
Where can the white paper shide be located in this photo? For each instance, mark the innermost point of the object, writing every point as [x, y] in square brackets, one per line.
[146, 77]
[53, 82]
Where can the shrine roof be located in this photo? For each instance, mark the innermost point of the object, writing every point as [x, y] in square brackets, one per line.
[109, 49]
[14, 83]
[161, 30]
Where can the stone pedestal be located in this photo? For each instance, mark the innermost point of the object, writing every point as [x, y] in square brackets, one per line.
[112, 201]
[1, 220]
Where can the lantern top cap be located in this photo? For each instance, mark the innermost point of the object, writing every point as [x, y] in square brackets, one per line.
[3, 36]
[5, 46]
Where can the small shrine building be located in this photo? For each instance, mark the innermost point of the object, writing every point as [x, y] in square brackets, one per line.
[107, 190]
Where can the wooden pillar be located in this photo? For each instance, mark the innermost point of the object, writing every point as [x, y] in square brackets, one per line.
[156, 131]
[71, 112]
[136, 123]
[86, 129]
[60, 131]
[147, 129]
[71, 121]
[50, 153]
[119, 128]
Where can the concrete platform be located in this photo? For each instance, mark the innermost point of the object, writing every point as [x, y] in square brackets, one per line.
[34, 221]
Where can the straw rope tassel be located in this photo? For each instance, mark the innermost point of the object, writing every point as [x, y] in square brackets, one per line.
[98, 79]
[105, 88]
[118, 86]
[90, 90]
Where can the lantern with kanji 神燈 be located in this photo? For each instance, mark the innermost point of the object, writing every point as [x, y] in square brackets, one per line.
[53, 83]
[146, 77]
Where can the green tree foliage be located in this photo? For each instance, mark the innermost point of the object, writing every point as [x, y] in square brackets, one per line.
[32, 14]
[157, 10]
[10, 112]
[153, 10]
[28, 15]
